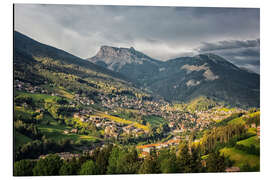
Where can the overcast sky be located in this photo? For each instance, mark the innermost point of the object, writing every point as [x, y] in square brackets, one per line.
[160, 32]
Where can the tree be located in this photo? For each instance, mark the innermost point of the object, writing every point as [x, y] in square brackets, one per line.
[112, 164]
[215, 162]
[88, 168]
[69, 168]
[48, 166]
[167, 161]
[102, 159]
[195, 160]
[123, 161]
[23, 168]
[128, 162]
[148, 166]
[184, 159]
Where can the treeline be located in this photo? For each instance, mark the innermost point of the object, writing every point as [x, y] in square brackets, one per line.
[29, 130]
[223, 136]
[252, 149]
[34, 149]
[123, 160]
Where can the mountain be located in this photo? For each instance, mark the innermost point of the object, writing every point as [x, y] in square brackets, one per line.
[185, 78]
[127, 61]
[26, 45]
[43, 65]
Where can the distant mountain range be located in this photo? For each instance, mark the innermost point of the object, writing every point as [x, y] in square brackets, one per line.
[184, 78]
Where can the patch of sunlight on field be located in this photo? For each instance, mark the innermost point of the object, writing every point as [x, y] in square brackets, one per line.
[237, 121]
[254, 114]
[64, 93]
[123, 121]
[252, 140]
[241, 157]
[87, 137]
[252, 131]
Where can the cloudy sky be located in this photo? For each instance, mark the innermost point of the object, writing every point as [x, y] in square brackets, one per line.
[160, 32]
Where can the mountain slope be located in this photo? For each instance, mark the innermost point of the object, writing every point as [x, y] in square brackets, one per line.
[185, 78]
[30, 47]
[40, 64]
[208, 75]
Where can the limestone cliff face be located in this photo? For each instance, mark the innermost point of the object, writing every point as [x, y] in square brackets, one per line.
[115, 58]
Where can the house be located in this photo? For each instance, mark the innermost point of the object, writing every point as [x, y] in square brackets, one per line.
[42, 157]
[253, 125]
[67, 155]
[74, 130]
[147, 149]
[98, 125]
[232, 169]
[203, 163]
[171, 124]
[66, 131]
[144, 154]
[76, 115]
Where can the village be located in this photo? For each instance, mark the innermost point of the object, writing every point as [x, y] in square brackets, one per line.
[178, 121]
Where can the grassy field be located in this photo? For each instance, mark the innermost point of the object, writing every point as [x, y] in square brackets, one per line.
[36, 97]
[226, 109]
[252, 140]
[56, 132]
[252, 131]
[237, 121]
[254, 114]
[21, 139]
[21, 112]
[123, 121]
[241, 157]
[62, 91]
[154, 120]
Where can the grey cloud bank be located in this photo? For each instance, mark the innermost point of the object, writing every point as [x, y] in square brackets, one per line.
[242, 53]
[160, 32]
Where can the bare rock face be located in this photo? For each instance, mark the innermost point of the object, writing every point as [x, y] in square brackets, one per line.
[115, 58]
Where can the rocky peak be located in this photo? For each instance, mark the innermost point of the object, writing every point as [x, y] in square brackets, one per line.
[115, 57]
[109, 51]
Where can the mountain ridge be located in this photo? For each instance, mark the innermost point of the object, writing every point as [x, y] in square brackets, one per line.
[34, 48]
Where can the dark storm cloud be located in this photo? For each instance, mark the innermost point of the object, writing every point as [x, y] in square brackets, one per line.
[244, 53]
[221, 45]
[160, 32]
